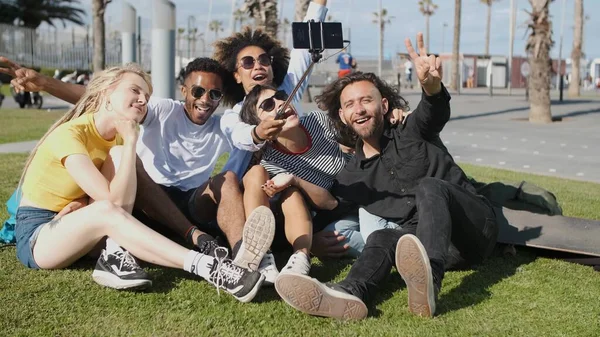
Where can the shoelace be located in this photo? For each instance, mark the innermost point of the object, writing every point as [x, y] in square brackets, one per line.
[127, 260]
[225, 273]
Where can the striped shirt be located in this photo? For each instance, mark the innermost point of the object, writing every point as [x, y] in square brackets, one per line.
[319, 163]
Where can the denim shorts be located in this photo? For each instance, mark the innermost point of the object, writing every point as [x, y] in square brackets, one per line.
[29, 223]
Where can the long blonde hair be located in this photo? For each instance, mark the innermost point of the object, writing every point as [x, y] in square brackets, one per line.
[94, 95]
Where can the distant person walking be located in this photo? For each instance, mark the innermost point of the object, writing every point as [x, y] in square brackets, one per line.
[347, 64]
[408, 72]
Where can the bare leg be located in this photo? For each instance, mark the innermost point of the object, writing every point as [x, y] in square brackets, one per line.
[67, 239]
[298, 223]
[221, 197]
[254, 196]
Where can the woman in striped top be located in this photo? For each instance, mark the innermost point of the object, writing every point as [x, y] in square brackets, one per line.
[297, 169]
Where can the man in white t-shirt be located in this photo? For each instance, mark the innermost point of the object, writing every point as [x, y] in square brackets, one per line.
[179, 146]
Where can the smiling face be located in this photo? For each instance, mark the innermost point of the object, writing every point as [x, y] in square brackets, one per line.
[129, 97]
[363, 109]
[270, 98]
[199, 109]
[258, 74]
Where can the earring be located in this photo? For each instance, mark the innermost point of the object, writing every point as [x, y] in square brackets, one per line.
[107, 105]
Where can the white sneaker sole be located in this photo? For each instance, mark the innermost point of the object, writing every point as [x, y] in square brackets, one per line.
[110, 280]
[259, 232]
[314, 298]
[413, 265]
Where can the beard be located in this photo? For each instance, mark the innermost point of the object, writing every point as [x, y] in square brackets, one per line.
[374, 130]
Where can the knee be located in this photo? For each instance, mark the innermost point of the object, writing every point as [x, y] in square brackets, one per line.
[290, 193]
[256, 175]
[104, 210]
[224, 181]
[430, 185]
[383, 237]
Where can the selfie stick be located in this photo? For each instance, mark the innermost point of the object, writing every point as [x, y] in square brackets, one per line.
[316, 56]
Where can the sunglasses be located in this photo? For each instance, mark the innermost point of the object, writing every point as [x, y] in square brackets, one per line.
[269, 104]
[213, 94]
[247, 62]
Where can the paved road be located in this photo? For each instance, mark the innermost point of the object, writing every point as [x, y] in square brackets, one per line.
[495, 132]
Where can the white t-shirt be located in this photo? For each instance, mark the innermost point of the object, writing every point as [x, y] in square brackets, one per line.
[240, 133]
[175, 151]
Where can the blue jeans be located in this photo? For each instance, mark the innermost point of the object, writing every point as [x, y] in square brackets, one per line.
[30, 221]
[348, 227]
[370, 223]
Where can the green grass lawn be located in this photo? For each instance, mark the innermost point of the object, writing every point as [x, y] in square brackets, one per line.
[5, 90]
[25, 124]
[507, 296]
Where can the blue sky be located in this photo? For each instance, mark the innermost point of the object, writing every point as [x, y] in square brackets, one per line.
[357, 14]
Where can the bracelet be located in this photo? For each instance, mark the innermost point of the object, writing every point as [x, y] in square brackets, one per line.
[256, 135]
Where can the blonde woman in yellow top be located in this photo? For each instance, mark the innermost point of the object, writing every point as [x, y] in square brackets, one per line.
[90, 153]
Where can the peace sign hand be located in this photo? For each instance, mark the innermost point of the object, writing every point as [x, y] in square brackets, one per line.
[429, 67]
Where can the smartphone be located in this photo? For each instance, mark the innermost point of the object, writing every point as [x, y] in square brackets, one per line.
[323, 35]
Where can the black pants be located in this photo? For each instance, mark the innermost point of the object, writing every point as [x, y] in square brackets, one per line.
[446, 213]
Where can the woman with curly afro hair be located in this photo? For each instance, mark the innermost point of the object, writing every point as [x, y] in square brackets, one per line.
[256, 58]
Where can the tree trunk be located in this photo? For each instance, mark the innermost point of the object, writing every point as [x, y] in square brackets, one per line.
[487, 30]
[427, 33]
[300, 10]
[576, 52]
[98, 9]
[538, 48]
[456, 83]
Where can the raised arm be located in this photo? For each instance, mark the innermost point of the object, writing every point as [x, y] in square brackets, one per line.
[433, 112]
[25, 79]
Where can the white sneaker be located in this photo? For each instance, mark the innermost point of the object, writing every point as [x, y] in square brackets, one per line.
[299, 263]
[268, 268]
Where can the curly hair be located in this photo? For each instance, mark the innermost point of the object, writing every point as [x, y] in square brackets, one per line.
[329, 100]
[248, 113]
[227, 50]
[207, 65]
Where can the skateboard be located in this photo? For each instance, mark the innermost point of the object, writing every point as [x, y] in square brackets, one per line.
[557, 233]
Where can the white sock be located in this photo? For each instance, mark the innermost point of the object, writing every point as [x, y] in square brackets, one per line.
[199, 264]
[112, 247]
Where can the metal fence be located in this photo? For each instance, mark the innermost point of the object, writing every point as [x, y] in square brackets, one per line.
[59, 49]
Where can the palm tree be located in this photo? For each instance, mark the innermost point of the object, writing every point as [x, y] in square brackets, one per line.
[488, 3]
[576, 52]
[539, 43]
[264, 13]
[98, 10]
[427, 8]
[456, 83]
[300, 10]
[238, 16]
[216, 26]
[32, 13]
[385, 19]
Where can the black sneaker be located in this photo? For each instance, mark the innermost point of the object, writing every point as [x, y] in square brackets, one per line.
[242, 283]
[208, 247]
[120, 270]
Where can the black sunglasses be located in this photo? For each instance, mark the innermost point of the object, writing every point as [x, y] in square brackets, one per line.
[247, 62]
[213, 94]
[269, 104]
